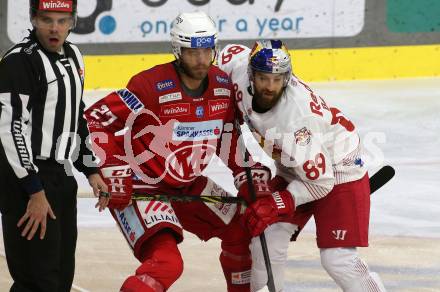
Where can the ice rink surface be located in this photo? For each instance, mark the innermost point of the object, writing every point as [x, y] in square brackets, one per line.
[399, 123]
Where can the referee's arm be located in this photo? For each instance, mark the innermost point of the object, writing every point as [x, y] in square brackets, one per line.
[16, 87]
[86, 162]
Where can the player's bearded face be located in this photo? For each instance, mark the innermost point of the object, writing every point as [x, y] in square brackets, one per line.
[268, 88]
[196, 62]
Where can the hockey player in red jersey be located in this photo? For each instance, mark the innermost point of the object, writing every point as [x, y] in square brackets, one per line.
[320, 172]
[156, 136]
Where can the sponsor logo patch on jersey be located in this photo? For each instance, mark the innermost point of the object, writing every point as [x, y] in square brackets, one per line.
[221, 79]
[303, 136]
[200, 111]
[165, 85]
[170, 97]
[20, 143]
[159, 212]
[197, 131]
[222, 91]
[130, 223]
[218, 106]
[175, 110]
[29, 50]
[132, 102]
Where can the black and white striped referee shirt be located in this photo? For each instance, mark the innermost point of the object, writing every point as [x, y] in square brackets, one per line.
[41, 110]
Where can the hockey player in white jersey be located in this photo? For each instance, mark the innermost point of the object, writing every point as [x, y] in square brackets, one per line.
[320, 172]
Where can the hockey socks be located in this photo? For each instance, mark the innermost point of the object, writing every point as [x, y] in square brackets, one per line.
[161, 266]
[237, 271]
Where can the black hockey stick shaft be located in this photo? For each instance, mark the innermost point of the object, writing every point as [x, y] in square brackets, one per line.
[270, 279]
[187, 198]
[377, 180]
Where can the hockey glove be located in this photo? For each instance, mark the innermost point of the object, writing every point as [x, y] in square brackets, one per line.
[260, 178]
[268, 210]
[119, 182]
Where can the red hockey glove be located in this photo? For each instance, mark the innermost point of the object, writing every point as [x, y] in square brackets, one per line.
[268, 210]
[260, 178]
[119, 182]
[278, 183]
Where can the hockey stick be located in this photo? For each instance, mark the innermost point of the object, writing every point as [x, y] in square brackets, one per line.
[377, 180]
[270, 279]
[186, 198]
[381, 177]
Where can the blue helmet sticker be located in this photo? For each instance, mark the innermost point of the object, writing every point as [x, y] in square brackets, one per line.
[203, 42]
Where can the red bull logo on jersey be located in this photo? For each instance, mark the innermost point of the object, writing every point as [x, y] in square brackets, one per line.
[51, 5]
[218, 106]
[303, 136]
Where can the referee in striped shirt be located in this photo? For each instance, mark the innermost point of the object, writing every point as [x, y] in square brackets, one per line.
[41, 129]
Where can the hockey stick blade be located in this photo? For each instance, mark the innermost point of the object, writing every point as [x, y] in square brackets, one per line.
[381, 177]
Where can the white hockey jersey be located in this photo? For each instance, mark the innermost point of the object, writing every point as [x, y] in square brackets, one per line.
[313, 144]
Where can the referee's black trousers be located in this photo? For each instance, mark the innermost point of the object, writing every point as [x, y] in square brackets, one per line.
[42, 265]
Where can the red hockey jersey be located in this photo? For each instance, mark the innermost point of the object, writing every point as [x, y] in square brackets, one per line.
[168, 136]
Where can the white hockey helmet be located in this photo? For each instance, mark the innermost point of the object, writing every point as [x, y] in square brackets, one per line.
[193, 30]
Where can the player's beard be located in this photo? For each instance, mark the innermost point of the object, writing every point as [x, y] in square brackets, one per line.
[198, 72]
[267, 99]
